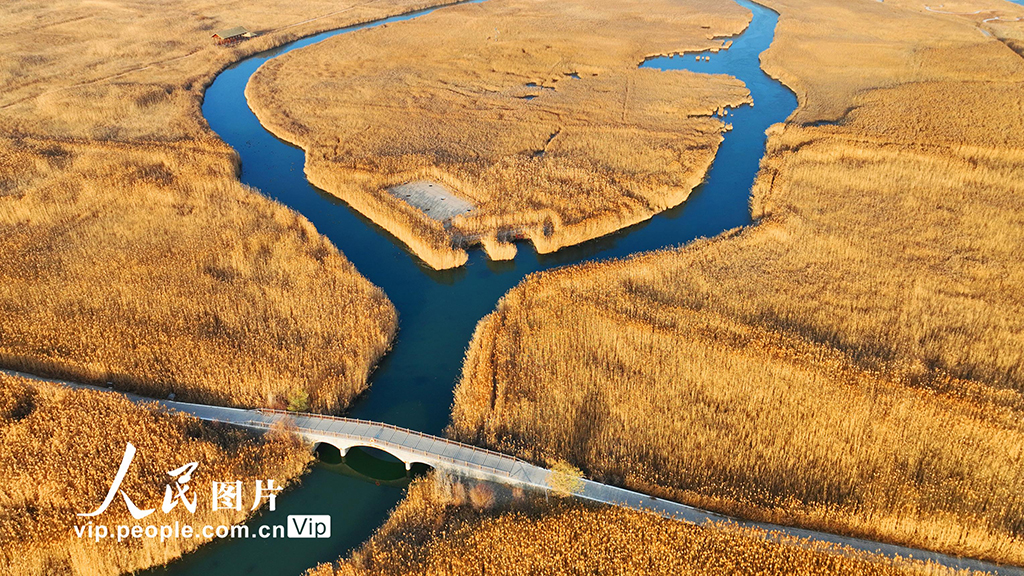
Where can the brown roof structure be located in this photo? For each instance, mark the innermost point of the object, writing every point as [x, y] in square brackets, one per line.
[235, 32]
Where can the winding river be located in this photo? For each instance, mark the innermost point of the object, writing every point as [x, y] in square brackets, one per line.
[438, 311]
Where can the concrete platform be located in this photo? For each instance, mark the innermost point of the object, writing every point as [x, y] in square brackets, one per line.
[432, 198]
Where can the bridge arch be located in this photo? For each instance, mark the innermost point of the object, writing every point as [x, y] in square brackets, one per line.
[343, 447]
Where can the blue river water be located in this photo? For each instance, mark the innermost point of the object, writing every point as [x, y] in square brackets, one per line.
[438, 311]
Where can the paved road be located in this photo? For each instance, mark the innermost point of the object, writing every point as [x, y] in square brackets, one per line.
[440, 453]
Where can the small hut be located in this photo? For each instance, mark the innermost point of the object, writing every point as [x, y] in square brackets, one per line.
[232, 35]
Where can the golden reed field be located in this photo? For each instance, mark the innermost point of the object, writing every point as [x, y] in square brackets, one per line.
[438, 532]
[855, 361]
[131, 252]
[534, 111]
[60, 450]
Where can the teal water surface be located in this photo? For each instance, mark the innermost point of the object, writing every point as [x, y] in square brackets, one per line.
[413, 385]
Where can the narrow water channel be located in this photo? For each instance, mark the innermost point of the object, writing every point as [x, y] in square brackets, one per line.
[413, 385]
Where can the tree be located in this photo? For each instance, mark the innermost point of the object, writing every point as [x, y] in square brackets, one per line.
[298, 400]
[565, 479]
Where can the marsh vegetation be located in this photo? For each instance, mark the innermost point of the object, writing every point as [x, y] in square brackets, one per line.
[60, 450]
[444, 532]
[855, 361]
[535, 112]
[132, 255]
[180, 282]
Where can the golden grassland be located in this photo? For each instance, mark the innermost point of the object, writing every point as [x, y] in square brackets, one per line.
[120, 69]
[131, 252]
[534, 111]
[179, 282]
[430, 533]
[60, 449]
[904, 45]
[852, 363]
